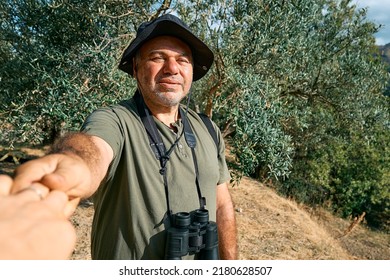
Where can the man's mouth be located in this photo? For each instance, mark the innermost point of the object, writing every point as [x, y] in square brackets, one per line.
[169, 83]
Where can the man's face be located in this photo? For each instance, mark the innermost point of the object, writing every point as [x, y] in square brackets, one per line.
[163, 68]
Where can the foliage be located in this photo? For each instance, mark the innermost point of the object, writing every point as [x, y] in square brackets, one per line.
[58, 62]
[348, 174]
[385, 55]
[300, 81]
[261, 146]
[359, 180]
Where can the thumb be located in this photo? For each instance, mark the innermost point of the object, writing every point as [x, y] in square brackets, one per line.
[71, 175]
[33, 171]
[71, 206]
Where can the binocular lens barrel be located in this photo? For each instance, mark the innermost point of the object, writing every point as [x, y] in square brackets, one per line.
[177, 237]
[201, 216]
[192, 234]
[182, 220]
[210, 251]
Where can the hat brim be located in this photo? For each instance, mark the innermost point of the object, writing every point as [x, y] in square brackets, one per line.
[203, 57]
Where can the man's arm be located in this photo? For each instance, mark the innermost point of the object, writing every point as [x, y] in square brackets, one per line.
[226, 221]
[76, 165]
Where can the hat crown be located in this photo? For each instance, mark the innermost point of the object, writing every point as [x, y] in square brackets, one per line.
[167, 17]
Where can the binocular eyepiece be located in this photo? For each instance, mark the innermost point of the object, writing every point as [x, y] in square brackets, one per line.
[192, 233]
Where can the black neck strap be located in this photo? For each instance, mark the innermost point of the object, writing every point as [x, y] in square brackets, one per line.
[158, 147]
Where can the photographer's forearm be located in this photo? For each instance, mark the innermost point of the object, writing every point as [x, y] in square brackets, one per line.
[76, 164]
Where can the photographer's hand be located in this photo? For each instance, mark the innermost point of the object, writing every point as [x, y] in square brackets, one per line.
[33, 223]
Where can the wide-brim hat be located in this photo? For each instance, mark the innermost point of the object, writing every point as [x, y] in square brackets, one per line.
[169, 25]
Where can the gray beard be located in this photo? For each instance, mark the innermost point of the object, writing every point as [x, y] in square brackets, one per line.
[167, 101]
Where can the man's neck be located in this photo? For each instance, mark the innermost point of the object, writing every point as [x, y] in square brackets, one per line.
[166, 115]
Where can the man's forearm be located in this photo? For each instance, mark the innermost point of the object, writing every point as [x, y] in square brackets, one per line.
[84, 147]
[79, 144]
[227, 233]
[227, 230]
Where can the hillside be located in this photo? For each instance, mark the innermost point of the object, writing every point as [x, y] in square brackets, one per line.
[385, 52]
[272, 228]
[269, 226]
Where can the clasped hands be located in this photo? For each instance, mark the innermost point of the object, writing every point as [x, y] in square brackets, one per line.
[34, 222]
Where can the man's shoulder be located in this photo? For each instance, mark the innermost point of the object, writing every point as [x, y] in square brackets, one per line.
[123, 107]
[207, 122]
[210, 127]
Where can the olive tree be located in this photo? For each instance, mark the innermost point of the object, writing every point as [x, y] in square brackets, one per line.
[59, 62]
[299, 87]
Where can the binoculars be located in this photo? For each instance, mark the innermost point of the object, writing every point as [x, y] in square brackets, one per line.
[192, 233]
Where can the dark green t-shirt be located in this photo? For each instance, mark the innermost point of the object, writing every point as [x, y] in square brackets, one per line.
[130, 205]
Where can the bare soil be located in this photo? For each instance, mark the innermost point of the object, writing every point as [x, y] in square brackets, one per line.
[269, 226]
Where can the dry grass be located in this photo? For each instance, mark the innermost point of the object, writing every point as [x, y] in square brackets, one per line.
[271, 227]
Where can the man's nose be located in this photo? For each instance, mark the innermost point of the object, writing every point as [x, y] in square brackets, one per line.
[171, 66]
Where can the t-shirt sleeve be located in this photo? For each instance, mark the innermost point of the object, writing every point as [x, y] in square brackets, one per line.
[224, 174]
[104, 123]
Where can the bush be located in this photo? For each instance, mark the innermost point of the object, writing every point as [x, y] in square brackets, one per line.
[350, 176]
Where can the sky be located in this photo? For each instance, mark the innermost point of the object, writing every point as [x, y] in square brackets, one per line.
[379, 13]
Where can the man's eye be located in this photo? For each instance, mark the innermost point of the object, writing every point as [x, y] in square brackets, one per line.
[157, 58]
[183, 60]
